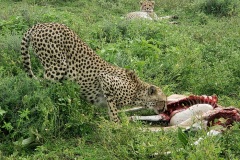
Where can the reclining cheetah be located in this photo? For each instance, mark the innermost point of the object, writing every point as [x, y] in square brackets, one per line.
[146, 12]
[65, 56]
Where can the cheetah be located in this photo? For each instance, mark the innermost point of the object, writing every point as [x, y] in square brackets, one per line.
[146, 12]
[64, 56]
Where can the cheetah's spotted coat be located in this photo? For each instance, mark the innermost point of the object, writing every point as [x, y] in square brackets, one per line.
[65, 56]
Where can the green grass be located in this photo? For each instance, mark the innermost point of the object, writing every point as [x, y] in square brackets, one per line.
[200, 55]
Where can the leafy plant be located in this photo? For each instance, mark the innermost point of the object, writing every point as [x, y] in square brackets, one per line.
[220, 7]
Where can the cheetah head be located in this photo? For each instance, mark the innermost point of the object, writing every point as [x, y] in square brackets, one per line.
[147, 6]
[152, 97]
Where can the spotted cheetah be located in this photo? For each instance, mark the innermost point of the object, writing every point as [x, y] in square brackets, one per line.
[146, 12]
[65, 56]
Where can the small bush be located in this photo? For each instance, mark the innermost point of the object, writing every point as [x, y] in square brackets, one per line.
[220, 7]
[30, 109]
[230, 143]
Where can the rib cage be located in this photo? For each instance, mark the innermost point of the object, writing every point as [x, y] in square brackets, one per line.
[191, 100]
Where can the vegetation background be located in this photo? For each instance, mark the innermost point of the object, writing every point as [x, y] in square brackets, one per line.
[199, 55]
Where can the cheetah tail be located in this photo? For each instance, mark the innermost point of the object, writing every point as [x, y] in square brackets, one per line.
[25, 54]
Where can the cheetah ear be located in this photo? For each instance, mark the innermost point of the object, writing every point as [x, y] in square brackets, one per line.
[153, 2]
[152, 90]
[141, 2]
[132, 75]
